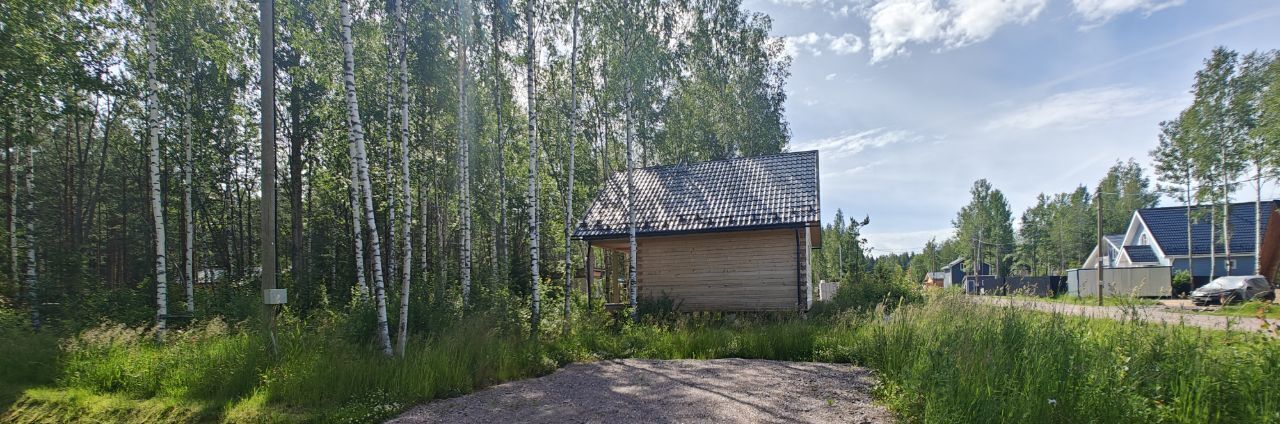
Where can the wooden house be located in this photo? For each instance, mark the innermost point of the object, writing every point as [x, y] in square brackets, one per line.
[726, 235]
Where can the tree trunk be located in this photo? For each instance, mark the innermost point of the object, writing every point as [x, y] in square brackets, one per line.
[405, 226]
[568, 214]
[1257, 220]
[362, 288]
[357, 131]
[464, 157]
[1226, 210]
[501, 256]
[11, 193]
[157, 209]
[530, 64]
[188, 222]
[33, 298]
[631, 211]
[1190, 248]
[297, 246]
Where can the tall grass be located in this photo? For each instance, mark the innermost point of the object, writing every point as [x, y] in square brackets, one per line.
[941, 360]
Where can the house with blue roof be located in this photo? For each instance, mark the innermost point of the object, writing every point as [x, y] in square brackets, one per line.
[1159, 237]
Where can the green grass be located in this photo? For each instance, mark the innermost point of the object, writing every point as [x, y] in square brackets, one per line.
[1250, 309]
[941, 360]
[1093, 301]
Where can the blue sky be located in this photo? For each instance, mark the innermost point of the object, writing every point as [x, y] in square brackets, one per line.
[910, 101]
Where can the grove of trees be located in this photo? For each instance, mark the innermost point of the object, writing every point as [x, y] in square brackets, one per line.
[412, 132]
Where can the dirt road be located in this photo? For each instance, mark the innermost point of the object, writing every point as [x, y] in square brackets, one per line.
[1149, 313]
[684, 391]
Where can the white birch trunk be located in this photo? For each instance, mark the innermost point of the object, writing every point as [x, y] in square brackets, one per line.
[1257, 221]
[392, 222]
[631, 212]
[33, 297]
[532, 200]
[362, 288]
[568, 214]
[464, 155]
[1226, 211]
[405, 226]
[362, 162]
[157, 209]
[189, 224]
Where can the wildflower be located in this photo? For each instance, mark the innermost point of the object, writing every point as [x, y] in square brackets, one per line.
[1053, 402]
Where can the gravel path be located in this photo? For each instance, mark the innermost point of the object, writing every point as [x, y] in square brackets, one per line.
[647, 391]
[1149, 313]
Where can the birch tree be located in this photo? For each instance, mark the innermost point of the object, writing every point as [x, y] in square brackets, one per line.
[405, 226]
[570, 134]
[531, 60]
[362, 288]
[362, 166]
[157, 208]
[10, 183]
[464, 155]
[1173, 167]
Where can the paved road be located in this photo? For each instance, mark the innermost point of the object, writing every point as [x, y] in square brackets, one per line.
[684, 391]
[1150, 313]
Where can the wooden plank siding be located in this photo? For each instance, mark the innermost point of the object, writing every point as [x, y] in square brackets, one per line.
[730, 271]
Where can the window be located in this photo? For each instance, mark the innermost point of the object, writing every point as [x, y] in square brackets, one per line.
[1142, 241]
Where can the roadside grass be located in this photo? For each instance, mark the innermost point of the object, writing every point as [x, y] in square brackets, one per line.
[940, 360]
[1122, 301]
[1250, 309]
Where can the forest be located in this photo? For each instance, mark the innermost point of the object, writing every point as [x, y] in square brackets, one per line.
[434, 155]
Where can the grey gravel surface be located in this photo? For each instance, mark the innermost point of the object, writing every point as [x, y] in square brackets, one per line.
[1150, 313]
[683, 391]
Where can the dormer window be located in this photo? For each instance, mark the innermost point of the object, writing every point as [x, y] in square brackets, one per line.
[1142, 241]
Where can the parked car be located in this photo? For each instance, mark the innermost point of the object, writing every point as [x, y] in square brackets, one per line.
[1225, 290]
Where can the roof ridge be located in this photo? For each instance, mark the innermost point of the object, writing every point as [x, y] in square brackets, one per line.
[1248, 203]
[733, 159]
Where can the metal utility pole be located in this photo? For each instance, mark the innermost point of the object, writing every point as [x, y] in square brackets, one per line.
[1099, 263]
[270, 296]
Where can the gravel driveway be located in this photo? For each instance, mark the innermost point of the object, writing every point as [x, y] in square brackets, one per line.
[1149, 313]
[648, 391]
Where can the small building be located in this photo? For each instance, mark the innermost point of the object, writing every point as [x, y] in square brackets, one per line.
[955, 272]
[1158, 237]
[726, 235]
[935, 279]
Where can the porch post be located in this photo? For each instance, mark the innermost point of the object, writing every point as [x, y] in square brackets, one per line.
[591, 271]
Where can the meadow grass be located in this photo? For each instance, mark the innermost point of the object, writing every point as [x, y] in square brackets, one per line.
[940, 360]
[1250, 309]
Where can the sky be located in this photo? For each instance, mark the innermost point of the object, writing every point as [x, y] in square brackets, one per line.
[910, 101]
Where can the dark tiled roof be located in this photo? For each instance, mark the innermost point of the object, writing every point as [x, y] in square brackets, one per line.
[1141, 254]
[773, 190]
[1115, 239]
[1169, 227]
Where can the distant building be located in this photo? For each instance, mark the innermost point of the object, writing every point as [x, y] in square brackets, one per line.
[1158, 237]
[935, 279]
[955, 272]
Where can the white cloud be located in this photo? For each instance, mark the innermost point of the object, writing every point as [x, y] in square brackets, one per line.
[811, 43]
[845, 44]
[900, 242]
[1100, 11]
[955, 23]
[831, 76]
[852, 144]
[1081, 108]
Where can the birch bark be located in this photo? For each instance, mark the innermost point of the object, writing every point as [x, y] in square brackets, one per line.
[157, 209]
[530, 64]
[405, 226]
[362, 165]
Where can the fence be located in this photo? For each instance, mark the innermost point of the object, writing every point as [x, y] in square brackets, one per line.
[1156, 281]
